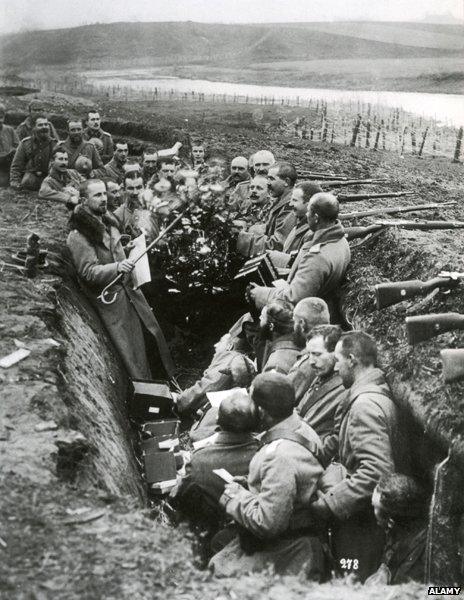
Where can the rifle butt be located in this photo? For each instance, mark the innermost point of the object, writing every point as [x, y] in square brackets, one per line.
[453, 364]
[421, 328]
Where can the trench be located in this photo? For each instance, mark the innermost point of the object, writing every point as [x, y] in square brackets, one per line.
[97, 389]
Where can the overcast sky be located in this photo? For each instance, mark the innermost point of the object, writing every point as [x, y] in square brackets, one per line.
[49, 14]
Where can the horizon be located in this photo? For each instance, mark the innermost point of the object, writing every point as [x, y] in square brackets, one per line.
[26, 15]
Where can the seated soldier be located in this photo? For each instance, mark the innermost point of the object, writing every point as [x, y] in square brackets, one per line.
[217, 376]
[320, 265]
[282, 480]
[32, 157]
[61, 184]
[93, 131]
[319, 405]
[231, 448]
[26, 128]
[401, 509]
[277, 349]
[308, 313]
[114, 169]
[8, 143]
[75, 145]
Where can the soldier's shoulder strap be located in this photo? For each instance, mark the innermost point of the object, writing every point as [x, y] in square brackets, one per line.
[294, 436]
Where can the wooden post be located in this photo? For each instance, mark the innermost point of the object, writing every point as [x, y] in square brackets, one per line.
[457, 151]
[368, 133]
[413, 140]
[404, 140]
[356, 127]
[377, 138]
[424, 136]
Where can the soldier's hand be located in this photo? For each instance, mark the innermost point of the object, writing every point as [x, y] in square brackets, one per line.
[125, 266]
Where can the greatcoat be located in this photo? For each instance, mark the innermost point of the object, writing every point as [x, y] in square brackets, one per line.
[96, 249]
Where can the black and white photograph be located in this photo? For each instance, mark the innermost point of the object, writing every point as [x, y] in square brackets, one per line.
[231, 299]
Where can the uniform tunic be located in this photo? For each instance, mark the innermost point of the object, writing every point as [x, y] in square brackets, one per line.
[84, 148]
[53, 185]
[106, 139]
[31, 162]
[282, 482]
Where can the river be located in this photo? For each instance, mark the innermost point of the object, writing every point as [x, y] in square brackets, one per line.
[445, 108]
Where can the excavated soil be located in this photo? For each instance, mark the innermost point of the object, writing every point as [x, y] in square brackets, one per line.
[73, 519]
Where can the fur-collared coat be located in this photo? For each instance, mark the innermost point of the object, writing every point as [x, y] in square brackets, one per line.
[96, 249]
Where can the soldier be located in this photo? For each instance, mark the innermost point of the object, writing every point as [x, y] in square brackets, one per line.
[97, 253]
[36, 109]
[114, 195]
[320, 403]
[61, 184]
[279, 350]
[280, 219]
[259, 164]
[114, 169]
[129, 212]
[75, 145]
[282, 480]
[149, 164]
[231, 448]
[371, 445]
[320, 265]
[32, 157]
[94, 130]
[308, 313]
[8, 144]
[238, 173]
[301, 195]
[198, 157]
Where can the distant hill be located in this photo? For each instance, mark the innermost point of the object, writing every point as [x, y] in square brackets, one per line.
[189, 42]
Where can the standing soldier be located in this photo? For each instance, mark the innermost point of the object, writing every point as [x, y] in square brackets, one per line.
[97, 253]
[32, 158]
[36, 109]
[94, 130]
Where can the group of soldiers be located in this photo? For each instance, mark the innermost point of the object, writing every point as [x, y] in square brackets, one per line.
[317, 474]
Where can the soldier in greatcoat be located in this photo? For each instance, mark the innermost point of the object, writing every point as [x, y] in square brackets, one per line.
[371, 446]
[94, 130]
[76, 146]
[97, 253]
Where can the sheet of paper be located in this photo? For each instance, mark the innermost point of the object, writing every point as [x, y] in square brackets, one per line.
[215, 398]
[14, 357]
[141, 271]
[224, 474]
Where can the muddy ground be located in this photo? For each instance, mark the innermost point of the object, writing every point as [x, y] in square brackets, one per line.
[55, 439]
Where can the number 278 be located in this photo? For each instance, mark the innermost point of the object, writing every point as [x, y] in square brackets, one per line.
[349, 563]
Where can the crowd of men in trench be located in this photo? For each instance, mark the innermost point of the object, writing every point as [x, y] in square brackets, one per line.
[310, 433]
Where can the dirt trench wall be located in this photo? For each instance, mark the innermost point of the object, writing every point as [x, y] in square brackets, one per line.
[96, 388]
[432, 410]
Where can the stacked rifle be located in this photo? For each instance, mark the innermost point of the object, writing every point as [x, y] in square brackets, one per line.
[424, 327]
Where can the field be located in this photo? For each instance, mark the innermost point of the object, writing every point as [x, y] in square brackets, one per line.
[127, 552]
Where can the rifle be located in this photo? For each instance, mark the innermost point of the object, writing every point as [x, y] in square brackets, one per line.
[422, 225]
[357, 197]
[453, 364]
[424, 327]
[394, 209]
[328, 176]
[351, 233]
[336, 183]
[387, 294]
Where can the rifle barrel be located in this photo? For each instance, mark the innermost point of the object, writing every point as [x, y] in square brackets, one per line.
[328, 176]
[357, 197]
[392, 210]
[332, 184]
[422, 225]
